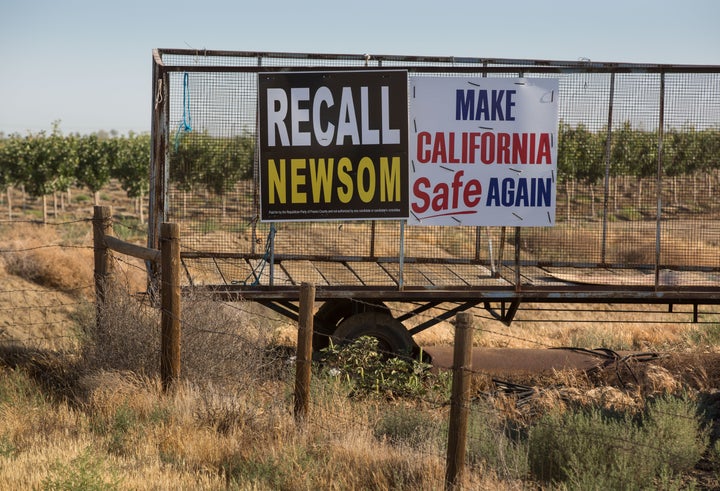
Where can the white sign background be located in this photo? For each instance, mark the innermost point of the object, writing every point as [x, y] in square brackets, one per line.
[446, 187]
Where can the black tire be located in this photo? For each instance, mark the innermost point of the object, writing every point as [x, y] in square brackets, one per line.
[392, 336]
[331, 313]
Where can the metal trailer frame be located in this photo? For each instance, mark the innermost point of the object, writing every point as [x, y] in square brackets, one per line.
[502, 300]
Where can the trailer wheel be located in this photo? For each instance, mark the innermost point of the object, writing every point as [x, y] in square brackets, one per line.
[332, 312]
[391, 334]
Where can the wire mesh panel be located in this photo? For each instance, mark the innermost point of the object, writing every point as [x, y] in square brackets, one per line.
[638, 161]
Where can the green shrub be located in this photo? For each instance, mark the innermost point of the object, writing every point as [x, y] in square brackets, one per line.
[370, 372]
[673, 427]
[493, 441]
[705, 335]
[593, 449]
[408, 426]
[85, 472]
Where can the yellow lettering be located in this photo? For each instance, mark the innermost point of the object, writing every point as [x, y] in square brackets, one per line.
[276, 181]
[321, 179]
[297, 180]
[344, 166]
[389, 179]
[366, 166]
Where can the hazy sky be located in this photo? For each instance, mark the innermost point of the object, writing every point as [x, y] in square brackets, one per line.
[87, 63]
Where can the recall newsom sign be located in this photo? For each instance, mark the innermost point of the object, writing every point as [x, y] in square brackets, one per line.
[476, 151]
[333, 145]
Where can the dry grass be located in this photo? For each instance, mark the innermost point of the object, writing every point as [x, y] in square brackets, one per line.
[41, 261]
[83, 409]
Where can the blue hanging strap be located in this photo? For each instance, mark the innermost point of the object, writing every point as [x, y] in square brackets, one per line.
[185, 125]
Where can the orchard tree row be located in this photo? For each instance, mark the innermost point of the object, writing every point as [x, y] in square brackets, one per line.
[43, 164]
[583, 159]
[582, 153]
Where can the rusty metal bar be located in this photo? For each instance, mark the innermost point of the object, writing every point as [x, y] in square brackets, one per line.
[608, 148]
[658, 217]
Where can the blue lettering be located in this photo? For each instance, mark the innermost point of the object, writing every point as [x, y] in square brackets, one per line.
[521, 198]
[508, 191]
[496, 106]
[464, 104]
[523, 192]
[493, 195]
[483, 111]
[509, 104]
[544, 192]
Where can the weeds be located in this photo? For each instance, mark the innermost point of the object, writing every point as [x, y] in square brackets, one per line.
[409, 426]
[85, 472]
[373, 372]
[708, 335]
[376, 422]
[611, 450]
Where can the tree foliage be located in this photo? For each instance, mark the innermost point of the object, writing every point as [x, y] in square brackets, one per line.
[95, 158]
[44, 163]
[213, 163]
[132, 164]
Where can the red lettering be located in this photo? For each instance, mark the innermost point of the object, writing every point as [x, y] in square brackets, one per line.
[423, 140]
[444, 199]
[472, 193]
[544, 153]
[423, 182]
[439, 149]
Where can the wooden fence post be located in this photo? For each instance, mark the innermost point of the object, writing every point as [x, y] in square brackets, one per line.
[303, 361]
[170, 305]
[102, 225]
[457, 431]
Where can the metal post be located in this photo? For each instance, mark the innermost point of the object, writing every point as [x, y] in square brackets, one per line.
[608, 147]
[658, 217]
[401, 260]
[518, 278]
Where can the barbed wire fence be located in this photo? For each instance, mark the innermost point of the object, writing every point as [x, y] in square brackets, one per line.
[237, 344]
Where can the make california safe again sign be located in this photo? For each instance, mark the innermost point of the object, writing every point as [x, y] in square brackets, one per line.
[483, 151]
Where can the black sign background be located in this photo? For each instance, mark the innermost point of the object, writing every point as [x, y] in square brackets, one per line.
[280, 155]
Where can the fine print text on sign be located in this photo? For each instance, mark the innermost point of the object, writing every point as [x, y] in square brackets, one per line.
[333, 145]
[483, 151]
